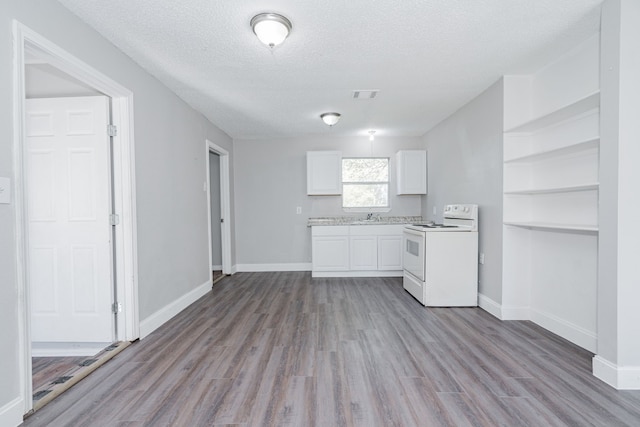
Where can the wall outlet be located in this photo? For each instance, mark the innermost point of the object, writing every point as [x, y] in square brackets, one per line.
[299, 210]
[481, 258]
[5, 191]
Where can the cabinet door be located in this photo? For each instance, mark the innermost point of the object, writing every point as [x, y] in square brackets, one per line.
[324, 173]
[330, 253]
[364, 252]
[389, 252]
[411, 171]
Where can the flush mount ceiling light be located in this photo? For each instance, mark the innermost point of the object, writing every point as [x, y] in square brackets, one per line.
[371, 134]
[271, 28]
[330, 119]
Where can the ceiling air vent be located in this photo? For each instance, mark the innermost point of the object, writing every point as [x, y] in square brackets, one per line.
[365, 94]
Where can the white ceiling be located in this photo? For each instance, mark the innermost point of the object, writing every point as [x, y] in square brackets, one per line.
[427, 57]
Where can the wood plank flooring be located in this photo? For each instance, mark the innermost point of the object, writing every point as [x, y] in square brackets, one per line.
[47, 369]
[282, 349]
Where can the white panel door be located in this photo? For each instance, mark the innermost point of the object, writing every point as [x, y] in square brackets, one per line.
[68, 205]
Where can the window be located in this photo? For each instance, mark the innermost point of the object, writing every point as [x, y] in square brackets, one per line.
[365, 183]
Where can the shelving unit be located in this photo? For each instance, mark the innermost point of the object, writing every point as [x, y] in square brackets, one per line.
[550, 197]
[564, 189]
[592, 143]
[568, 164]
[566, 112]
[553, 226]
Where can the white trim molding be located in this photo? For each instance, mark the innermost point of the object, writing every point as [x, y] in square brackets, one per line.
[515, 313]
[490, 306]
[255, 268]
[569, 331]
[11, 413]
[357, 273]
[166, 313]
[620, 378]
[502, 312]
[225, 204]
[124, 199]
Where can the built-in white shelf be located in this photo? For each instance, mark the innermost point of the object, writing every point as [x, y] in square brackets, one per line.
[569, 111]
[567, 189]
[562, 151]
[553, 226]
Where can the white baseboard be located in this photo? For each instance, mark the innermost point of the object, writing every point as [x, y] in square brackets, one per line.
[620, 378]
[368, 273]
[502, 312]
[515, 313]
[157, 319]
[567, 330]
[11, 414]
[490, 306]
[67, 349]
[254, 268]
[234, 269]
[216, 268]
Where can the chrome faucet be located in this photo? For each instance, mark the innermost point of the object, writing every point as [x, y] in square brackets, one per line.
[369, 215]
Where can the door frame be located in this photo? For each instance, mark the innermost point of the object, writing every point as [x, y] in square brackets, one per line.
[224, 205]
[123, 181]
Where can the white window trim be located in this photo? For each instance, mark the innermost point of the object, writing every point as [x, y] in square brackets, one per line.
[372, 209]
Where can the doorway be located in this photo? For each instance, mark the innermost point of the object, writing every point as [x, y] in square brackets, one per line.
[122, 256]
[218, 207]
[216, 216]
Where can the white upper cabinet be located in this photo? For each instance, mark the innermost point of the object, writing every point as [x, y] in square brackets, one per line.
[324, 173]
[411, 166]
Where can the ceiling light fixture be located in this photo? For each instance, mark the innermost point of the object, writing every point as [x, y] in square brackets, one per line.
[371, 134]
[271, 28]
[330, 119]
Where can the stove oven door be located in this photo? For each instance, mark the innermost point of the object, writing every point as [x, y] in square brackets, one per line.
[413, 258]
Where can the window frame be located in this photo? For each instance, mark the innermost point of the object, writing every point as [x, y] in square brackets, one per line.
[367, 209]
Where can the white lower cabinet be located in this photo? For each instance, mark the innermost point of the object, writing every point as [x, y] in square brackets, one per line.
[330, 248]
[363, 253]
[357, 250]
[390, 253]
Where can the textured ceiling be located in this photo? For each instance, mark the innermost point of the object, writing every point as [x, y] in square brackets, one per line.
[427, 57]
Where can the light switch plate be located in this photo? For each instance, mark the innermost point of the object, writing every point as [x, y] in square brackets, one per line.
[5, 191]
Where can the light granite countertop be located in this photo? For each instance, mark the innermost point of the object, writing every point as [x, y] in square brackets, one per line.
[376, 220]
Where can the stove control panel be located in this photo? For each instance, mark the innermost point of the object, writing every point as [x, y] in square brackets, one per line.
[461, 211]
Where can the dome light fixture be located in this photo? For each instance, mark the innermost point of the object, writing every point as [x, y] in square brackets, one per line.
[371, 135]
[271, 28]
[330, 119]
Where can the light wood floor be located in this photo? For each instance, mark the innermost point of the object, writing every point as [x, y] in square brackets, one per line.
[285, 349]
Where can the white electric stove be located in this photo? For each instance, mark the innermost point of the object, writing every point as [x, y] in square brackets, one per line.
[440, 261]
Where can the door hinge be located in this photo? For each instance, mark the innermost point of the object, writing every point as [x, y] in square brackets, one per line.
[112, 130]
[116, 307]
[115, 219]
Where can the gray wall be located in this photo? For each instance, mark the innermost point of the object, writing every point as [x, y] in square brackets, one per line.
[216, 232]
[170, 166]
[465, 166]
[270, 179]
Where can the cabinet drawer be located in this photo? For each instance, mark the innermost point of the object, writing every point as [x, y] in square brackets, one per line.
[330, 230]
